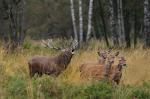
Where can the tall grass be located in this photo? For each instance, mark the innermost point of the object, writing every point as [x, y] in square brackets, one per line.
[15, 82]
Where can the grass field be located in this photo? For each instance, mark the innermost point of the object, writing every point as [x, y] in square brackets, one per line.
[15, 82]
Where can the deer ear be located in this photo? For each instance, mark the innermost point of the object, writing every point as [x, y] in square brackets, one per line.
[109, 50]
[98, 50]
[117, 53]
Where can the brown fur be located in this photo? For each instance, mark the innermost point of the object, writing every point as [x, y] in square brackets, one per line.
[51, 65]
[94, 72]
[101, 61]
[97, 71]
[116, 72]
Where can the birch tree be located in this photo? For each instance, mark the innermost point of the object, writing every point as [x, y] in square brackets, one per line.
[120, 24]
[113, 22]
[80, 22]
[147, 23]
[73, 19]
[89, 19]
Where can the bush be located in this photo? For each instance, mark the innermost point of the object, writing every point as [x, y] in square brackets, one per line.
[16, 87]
[142, 92]
[44, 87]
[102, 90]
[27, 45]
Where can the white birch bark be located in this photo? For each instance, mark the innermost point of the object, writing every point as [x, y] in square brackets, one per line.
[80, 22]
[146, 23]
[113, 22]
[120, 23]
[89, 19]
[73, 20]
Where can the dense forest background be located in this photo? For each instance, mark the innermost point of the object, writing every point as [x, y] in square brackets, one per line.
[123, 22]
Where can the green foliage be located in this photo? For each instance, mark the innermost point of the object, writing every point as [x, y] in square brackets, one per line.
[142, 92]
[16, 87]
[123, 92]
[46, 87]
[27, 45]
[102, 90]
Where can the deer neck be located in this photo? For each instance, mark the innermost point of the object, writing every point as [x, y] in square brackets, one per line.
[107, 69]
[108, 65]
[102, 61]
[64, 59]
[119, 67]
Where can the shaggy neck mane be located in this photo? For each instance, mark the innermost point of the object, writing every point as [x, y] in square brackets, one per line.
[64, 59]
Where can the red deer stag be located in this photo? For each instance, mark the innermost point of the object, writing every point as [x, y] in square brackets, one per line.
[51, 65]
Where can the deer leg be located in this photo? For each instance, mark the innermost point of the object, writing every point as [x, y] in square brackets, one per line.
[30, 71]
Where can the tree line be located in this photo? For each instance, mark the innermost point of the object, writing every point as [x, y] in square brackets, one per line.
[120, 23]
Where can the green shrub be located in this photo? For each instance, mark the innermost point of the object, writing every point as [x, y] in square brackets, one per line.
[122, 92]
[27, 45]
[16, 87]
[141, 93]
[45, 87]
[102, 90]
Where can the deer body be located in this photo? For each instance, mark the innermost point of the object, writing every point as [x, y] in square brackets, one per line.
[116, 71]
[91, 70]
[51, 65]
[97, 71]
[104, 70]
[87, 69]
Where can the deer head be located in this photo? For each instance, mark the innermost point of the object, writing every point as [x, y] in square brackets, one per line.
[122, 62]
[102, 55]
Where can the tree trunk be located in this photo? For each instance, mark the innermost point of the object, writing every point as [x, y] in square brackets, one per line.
[15, 27]
[135, 25]
[147, 23]
[104, 23]
[1, 20]
[127, 25]
[80, 22]
[113, 22]
[120, 21]
[73, 20]
[90, 14]
[21, 16]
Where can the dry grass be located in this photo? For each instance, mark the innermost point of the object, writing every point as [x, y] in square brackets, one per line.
[137, 70]
[12, 64]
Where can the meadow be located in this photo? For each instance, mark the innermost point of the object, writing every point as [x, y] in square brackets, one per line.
[15, 82]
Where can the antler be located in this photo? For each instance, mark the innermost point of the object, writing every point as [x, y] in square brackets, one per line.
[74, 44]
[49, 44]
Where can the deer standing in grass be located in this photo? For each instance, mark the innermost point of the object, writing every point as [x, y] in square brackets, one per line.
[102, 58]
[99, 71]
[116, 71]
[51, 65]
[88, 69]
